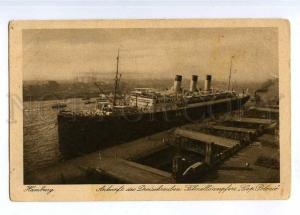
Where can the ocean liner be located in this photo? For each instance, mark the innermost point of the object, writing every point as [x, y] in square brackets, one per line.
[143, 112]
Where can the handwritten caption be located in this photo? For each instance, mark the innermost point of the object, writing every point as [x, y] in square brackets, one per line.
[247, 188]
[220, 189]
[38, 189]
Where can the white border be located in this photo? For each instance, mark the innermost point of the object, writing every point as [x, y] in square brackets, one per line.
[143, 10]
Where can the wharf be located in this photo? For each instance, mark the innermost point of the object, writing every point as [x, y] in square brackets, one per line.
[133, 173]
[111, 161]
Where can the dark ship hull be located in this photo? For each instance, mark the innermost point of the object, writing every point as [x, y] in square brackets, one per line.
[85, 134]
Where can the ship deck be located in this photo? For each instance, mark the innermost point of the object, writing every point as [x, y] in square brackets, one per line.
[207, 103]
[175, 108]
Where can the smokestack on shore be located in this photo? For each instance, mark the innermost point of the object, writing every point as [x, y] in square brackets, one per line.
[177, 83]
[207, 84]
[193, 85]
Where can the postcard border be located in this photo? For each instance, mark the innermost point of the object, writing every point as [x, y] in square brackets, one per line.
[19, 191]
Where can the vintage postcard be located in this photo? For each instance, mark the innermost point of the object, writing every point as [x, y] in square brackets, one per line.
[149, 109]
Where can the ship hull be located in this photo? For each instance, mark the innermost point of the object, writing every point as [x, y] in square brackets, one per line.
[85, 134]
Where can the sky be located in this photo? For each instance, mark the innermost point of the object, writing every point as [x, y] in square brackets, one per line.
[60, 54]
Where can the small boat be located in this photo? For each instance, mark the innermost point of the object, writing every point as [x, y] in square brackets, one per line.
[89, 102]
[58, 106]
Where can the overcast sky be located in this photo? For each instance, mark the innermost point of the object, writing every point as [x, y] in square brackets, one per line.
[151, 53]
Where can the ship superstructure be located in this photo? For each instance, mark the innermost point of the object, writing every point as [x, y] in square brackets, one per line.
[149, 99]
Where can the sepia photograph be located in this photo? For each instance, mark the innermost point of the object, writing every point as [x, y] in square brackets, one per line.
[150, 106]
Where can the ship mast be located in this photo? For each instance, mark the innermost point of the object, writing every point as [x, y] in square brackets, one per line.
[116, 80]
[230, 72]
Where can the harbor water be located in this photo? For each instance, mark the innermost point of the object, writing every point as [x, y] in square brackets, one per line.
[40, 134]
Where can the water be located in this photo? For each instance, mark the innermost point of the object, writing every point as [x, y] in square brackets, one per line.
[41, 147]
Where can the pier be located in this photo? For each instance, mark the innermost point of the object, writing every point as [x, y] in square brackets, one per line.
[111, 161]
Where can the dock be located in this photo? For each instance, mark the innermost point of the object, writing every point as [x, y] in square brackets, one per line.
[114, 161]
[133, 173]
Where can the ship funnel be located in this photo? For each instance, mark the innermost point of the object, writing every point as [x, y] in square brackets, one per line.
[207, 84]
[193, 85]
[177, 83]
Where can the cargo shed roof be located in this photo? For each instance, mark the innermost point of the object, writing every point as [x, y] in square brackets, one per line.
[251, 120]
[207, 138]
[234, 129]
[265, 109]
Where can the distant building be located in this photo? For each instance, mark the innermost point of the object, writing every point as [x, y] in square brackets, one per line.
[88, 77]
